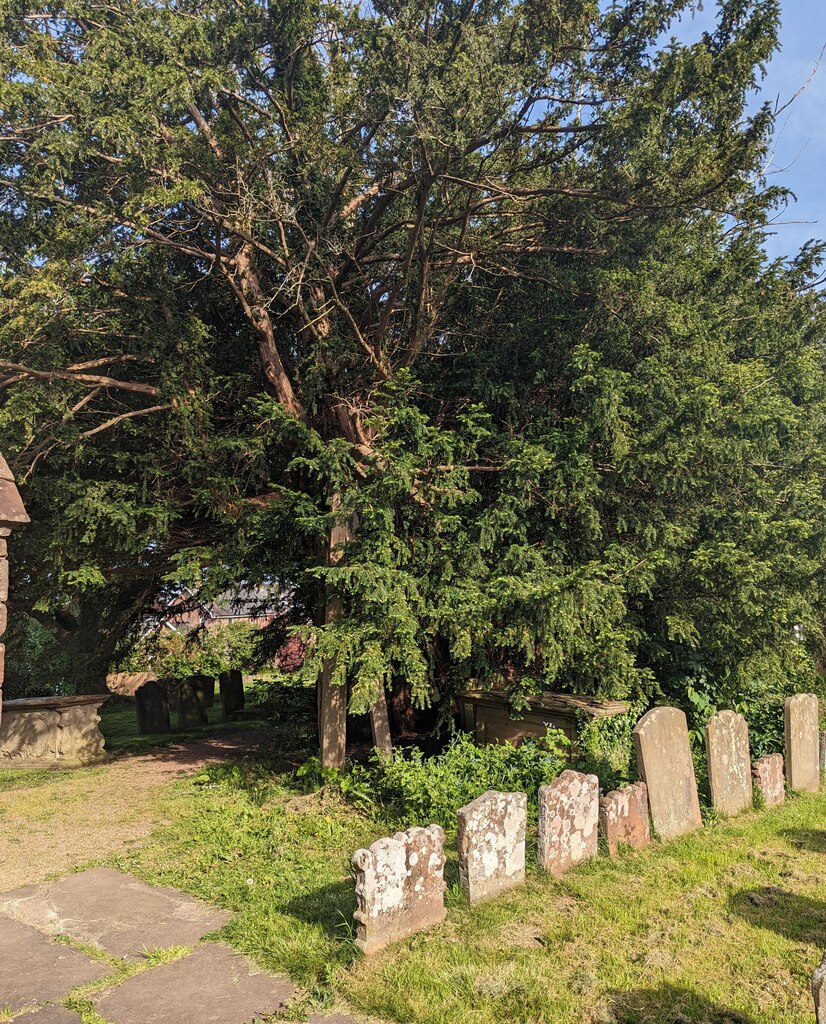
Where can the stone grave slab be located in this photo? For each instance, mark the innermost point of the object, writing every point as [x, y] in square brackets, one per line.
[34, 969]
[400, 887]
[664, 760]
[568, 819]
[767, 772]
[109, 909]
[623, 818]
[802, 716]
[52, 1014]
[729, 762]
[213, 985]
[491, 840]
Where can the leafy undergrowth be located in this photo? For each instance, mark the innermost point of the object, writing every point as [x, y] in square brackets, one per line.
[722, 926]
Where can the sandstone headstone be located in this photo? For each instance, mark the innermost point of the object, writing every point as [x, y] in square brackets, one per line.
[802, 716]
[729, 762]
[623, 818]
[767, 772]
[231, 687]
[568, 821]
[192, 711]
[819, 991]
[664, 759]
[152, 708]
[491, 839]
[400, 887]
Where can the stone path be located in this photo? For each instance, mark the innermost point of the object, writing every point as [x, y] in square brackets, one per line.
[126, 919]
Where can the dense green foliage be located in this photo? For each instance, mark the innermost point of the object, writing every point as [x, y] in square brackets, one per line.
[172, 654]
[416, 790]
[483, 282]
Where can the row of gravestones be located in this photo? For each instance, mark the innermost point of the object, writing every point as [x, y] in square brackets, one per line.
[400, 880]
[190, 698]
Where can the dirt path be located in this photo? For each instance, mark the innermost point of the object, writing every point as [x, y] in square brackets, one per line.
[66, 818]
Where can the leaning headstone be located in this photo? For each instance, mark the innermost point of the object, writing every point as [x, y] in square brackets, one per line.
[400, 887]
[568, 821]
[802, 716]
[152, 708]
[729, 762]
[623, 818]
[231, 686]
[664, 759]
[767, 772]
[819, 991]
[192, 712]
[491, 838]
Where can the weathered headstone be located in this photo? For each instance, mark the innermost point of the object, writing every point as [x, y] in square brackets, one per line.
[400, 887]
[819, 991]
[491, 839]
[231, 687]
[767, 772]
[623, 818]
[152, 708]
[568, 821]
[192, 712]
[729, 762]
[664, 759]
[802, 716]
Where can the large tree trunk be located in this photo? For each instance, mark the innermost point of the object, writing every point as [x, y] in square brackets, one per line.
[332, 699]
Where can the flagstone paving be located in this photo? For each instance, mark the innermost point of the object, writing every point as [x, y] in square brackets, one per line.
[111, 910]
[125, 918]
[215, 978]
[49, 1015]
[33, 969]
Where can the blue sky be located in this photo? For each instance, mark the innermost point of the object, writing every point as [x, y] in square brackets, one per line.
[799, 160]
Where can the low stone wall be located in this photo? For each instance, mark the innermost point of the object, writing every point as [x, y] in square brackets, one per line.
[400, 885]
[51, 730]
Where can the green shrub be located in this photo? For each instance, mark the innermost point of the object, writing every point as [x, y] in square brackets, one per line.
[418, 790]
[208, 652]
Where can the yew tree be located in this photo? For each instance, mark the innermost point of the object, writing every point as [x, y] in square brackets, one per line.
[307, 277]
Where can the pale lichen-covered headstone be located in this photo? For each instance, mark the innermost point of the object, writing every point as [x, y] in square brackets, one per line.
[729, 762]
[802, 721]
[400, 887]
[623, 818]
[664, 759]
[568, 821]
[819, 991]
[767, 772]
[491, 839]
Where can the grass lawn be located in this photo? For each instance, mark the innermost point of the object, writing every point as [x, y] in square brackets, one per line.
[722, 926]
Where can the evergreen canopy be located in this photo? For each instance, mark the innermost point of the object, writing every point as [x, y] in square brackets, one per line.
[481, 279]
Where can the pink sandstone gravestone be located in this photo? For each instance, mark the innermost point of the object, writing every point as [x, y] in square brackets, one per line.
[623, 818]
[664, 759]
[400, 887]
[491, 840]
[767, 772]
[568, 821]
[802, 715]
[729, 762]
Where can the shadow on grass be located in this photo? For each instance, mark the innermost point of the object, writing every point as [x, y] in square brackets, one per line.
[813, 839]
[670, 1004]
[799, 918]
[330, 907]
